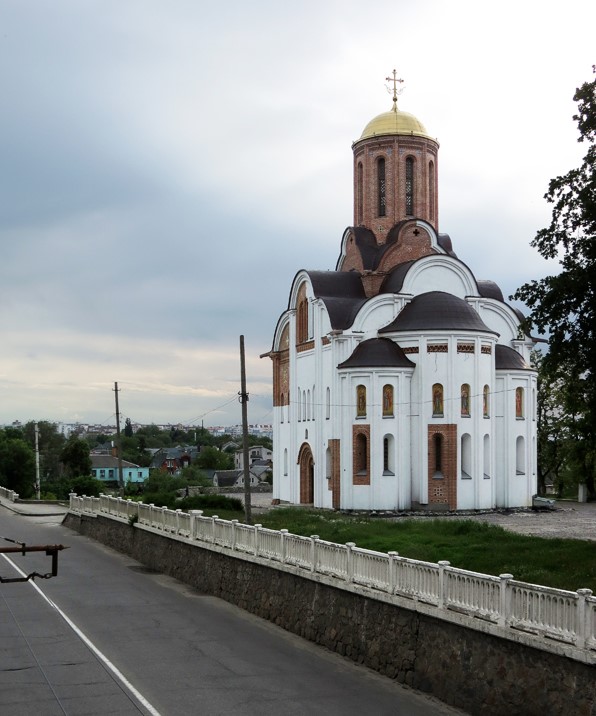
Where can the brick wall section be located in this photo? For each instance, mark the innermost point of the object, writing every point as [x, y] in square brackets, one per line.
[356, 457]
[443, 490]
[477, 672]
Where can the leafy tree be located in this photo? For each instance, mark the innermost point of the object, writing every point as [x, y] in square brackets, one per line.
[50, 443]
[75, 457]
[17, 464]
[194, 475]
[128, 431]
[212, 458]
[564, 305]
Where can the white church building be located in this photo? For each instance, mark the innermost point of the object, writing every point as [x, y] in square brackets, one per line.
[400, 380]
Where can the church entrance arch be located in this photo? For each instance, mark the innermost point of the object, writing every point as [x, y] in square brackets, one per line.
[307, 475]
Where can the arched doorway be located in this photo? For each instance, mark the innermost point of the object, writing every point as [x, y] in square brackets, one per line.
[307, 475]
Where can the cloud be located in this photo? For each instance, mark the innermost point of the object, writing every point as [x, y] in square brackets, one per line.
[168, 168]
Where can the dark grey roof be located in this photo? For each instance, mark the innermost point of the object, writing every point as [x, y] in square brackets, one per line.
[377, 353]
[445, 243]
[394, 281]
[489, 289]
[437, 310]
[341, 292]
[507, 358]
[108, 461]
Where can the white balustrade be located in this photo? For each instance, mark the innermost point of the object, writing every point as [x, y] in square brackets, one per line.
[370, 568]
[472, 593]
[565, 616]
[543, 610]
[332, 559]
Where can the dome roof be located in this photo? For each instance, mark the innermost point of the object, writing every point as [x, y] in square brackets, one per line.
[394, 122]
[437, 310]
[377, 353]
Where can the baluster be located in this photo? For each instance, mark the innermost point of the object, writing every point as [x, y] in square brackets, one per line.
[581, 628]
[392, 571]
[313, 552]
[504, 599]
[283, 545]
[350, 561]
[234, 523]
[257, 533]
[443, 597]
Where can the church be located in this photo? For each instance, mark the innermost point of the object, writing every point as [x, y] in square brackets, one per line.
[400, 380]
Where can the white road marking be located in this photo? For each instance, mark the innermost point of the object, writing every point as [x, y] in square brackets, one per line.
[100, 655]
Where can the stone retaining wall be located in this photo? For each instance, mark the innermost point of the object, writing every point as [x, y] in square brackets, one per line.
[477, 672]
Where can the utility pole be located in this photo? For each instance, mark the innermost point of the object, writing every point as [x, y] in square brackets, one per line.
[37, 481]
[244, 400]
[119, 443]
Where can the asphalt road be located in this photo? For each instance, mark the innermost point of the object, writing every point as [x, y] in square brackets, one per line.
[115, 639]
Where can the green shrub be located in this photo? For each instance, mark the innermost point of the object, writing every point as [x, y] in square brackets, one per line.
[211, 502]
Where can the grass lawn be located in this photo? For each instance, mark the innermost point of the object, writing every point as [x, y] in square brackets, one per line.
[477, 546]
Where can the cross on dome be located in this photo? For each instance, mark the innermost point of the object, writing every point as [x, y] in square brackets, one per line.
[395, 80]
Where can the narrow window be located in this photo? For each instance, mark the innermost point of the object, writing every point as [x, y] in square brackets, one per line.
[361, 401]
[328, 464]
[466, 456]
[308, 406]
[282, 407]
[388, 455]
[286, 461]
[486, 457]
[381, 186]
[304, 405]
[438, 450]
[437, 400]
[465, 400]
[485, 402]
[387, 401]
[359, 190]
[409, 186]
[520, 456]
[328, 404]
[519, 403]
[431, 192]
[361, 455]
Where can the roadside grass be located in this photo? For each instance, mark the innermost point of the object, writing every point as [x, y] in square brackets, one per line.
[467, 544]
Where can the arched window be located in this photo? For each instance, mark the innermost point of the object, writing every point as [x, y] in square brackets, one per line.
[328, 404]
[361, 401]
[361, 455]
[286, 461]
[438, 454]
[465, 400]
[409, 186]
[486, 401]
[328, 463]
[308, 405]
[431, 192]
[520, 456]
[437, 400]
[302, 315]
[387, 401]
[360, 198]
[388, 455]
[299, 405]
[381, 187]
[282, 407]
[466, 457]
[519, 403]
[304, 416]
[486, 457]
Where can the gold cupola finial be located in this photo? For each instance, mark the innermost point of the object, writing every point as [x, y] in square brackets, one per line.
[395, 80]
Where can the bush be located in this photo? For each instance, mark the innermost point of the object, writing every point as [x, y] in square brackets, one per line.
[211, 502]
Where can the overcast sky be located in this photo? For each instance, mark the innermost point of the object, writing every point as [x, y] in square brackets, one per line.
[167, 166]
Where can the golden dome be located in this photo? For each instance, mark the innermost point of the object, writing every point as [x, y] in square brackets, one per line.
[394, 122]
